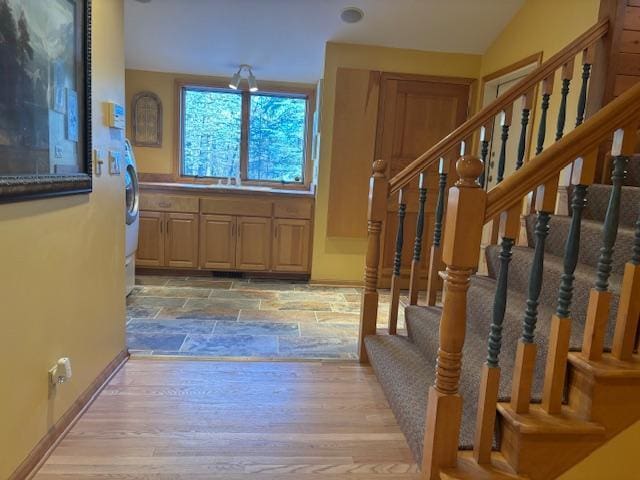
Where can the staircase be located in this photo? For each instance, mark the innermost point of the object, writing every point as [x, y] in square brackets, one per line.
[536, 359]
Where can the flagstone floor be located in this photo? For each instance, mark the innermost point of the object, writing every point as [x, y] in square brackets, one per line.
[230, 317]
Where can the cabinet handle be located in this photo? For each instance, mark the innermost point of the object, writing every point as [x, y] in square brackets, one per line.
[161, 223]
[168, 224]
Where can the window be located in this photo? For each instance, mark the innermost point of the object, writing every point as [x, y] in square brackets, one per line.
[258, 137]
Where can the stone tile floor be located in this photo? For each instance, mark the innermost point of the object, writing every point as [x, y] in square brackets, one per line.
[229, 317]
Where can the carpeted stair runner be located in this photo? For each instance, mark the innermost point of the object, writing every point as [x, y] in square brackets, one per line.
[405, 366]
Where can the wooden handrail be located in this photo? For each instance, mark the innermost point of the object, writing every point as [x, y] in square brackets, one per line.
[620, 113]
[468, 128]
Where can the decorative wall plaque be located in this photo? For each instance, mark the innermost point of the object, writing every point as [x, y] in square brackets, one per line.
[146, 124]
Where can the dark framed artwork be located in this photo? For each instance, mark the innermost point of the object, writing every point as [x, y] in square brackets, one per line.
[45, 98]
[146, 121]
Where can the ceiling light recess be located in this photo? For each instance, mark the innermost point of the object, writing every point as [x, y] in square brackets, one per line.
[351, 15]
[234, 83]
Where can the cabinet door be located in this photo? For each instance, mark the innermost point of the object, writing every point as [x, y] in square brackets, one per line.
[181, 248]
[253, 247]
[290, 245]
[150, 240]
[217, 242]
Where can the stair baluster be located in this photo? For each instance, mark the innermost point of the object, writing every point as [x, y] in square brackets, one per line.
[378, 188]
[460, 253]
[414, 287]
[527, 349]
[397, 265]
[490, 380]
[435, 260]
[524, 123]
[504, 137]
[567, 75]
[561, 322]
[582, 99]
[547, 90]
[485, 136]
[600, 297]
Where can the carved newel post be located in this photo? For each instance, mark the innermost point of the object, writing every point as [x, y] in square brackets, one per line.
[461, 251]
[378, 190]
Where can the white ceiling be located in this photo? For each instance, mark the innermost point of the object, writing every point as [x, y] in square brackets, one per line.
[285, 39]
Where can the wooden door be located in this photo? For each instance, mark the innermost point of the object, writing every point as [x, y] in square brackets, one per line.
[290, 245]
[415, 113]
[150, 251]
[253, 245]
[181, 247]
[218, 242]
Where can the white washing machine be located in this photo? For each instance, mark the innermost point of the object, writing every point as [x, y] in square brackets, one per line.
[132, 202]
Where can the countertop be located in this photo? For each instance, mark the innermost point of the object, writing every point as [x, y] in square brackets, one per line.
[207, 189]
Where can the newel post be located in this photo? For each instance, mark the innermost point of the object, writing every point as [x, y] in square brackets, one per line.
[378, 189]
[460, 253]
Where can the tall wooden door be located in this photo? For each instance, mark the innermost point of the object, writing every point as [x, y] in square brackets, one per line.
[415, 113]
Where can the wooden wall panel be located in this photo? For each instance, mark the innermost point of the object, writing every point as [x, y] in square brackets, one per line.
[352, 151]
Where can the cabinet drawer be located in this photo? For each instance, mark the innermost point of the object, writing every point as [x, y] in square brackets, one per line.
[292, 209]
[169, 203]
[235, 206]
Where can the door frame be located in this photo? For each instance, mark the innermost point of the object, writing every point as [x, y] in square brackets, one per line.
[488, 89]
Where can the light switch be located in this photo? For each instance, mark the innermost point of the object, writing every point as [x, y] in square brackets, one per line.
[99, 159]
[115, 158]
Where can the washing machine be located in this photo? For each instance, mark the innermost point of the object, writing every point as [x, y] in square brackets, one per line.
[132, 202]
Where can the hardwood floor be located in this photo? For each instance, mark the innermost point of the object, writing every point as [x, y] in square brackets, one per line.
[201, 420]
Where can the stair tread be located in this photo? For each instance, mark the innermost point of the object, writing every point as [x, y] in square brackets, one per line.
[468, 469]
[538, 421]
[590, 240]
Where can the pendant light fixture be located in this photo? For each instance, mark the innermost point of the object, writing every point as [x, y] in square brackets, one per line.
[234, 83]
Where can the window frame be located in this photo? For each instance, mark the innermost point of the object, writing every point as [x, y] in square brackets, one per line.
[306, 92]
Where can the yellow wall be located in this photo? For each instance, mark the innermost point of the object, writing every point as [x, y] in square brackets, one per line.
[342, 259]
[544, 26]
[163, 84]
[614, 460]
[62, 282]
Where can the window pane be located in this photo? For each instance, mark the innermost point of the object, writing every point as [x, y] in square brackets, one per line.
[276, 138]
[211, 133]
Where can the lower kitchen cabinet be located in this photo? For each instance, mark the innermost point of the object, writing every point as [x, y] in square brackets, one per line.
[253, 247]
[168, 240]
[150, 240]
[181, 244]
[218, 242]
[224, 232]
[290, 252]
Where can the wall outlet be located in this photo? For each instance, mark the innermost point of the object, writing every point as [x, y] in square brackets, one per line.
[61, 372]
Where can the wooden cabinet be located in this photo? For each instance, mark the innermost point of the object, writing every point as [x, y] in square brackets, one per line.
[218, 242]
[290, 252]
[228, 232]
[168, 240]
[181, 243]
[253, 245]
[151, 240]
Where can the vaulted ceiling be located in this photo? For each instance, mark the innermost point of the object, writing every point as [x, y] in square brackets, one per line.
[285, 39]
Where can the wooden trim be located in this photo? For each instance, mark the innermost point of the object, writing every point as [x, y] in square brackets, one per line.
[293, 89]
[531, 59]
[54, 436]
[468, 128]
[622, 112]
[414, 77]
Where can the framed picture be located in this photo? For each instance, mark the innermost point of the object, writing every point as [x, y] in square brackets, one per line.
[45, 98]
[146, 122]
